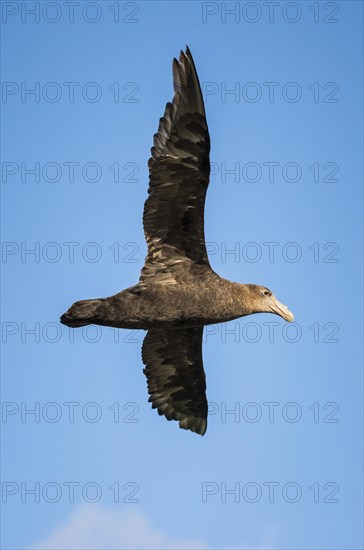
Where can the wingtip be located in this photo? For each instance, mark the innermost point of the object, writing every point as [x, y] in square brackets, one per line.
[203, 431]
[197, 426]
[183, 56]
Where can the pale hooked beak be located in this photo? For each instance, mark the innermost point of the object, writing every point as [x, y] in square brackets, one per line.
[281, 310]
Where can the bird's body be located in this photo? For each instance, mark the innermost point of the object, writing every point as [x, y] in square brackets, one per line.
[178, 293]
[204, 300]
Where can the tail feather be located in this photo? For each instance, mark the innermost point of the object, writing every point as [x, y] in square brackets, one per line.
[82, 313]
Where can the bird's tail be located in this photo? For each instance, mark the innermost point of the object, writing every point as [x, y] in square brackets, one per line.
[82, 313]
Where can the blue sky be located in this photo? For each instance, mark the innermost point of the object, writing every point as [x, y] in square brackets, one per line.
[289, 217]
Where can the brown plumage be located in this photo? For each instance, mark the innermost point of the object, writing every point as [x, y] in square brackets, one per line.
[178, 293]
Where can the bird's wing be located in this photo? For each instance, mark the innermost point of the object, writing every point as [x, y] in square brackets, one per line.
[179, 171]
[175, 375]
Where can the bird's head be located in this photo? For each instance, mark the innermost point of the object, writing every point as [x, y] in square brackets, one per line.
[262, 300]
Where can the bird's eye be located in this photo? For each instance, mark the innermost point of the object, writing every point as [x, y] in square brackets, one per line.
[267, 293]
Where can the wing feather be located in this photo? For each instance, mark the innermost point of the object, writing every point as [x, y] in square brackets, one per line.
[179, 171]
[176, 377]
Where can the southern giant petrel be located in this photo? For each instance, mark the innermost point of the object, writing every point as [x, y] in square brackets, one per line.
[178, 292]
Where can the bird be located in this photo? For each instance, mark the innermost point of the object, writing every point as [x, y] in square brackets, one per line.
[178, 292]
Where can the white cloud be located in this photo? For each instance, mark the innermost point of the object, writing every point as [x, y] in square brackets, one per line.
[92, 527]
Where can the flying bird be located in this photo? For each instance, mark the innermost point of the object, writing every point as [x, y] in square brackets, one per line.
[178, 292]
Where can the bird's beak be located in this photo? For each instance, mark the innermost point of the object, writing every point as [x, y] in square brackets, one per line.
[281, 310]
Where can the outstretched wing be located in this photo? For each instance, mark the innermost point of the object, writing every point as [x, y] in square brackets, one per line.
[179, 171]
[175, 375]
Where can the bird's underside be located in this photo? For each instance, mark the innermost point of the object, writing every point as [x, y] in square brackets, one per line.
[205, 300]
[178, 293]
